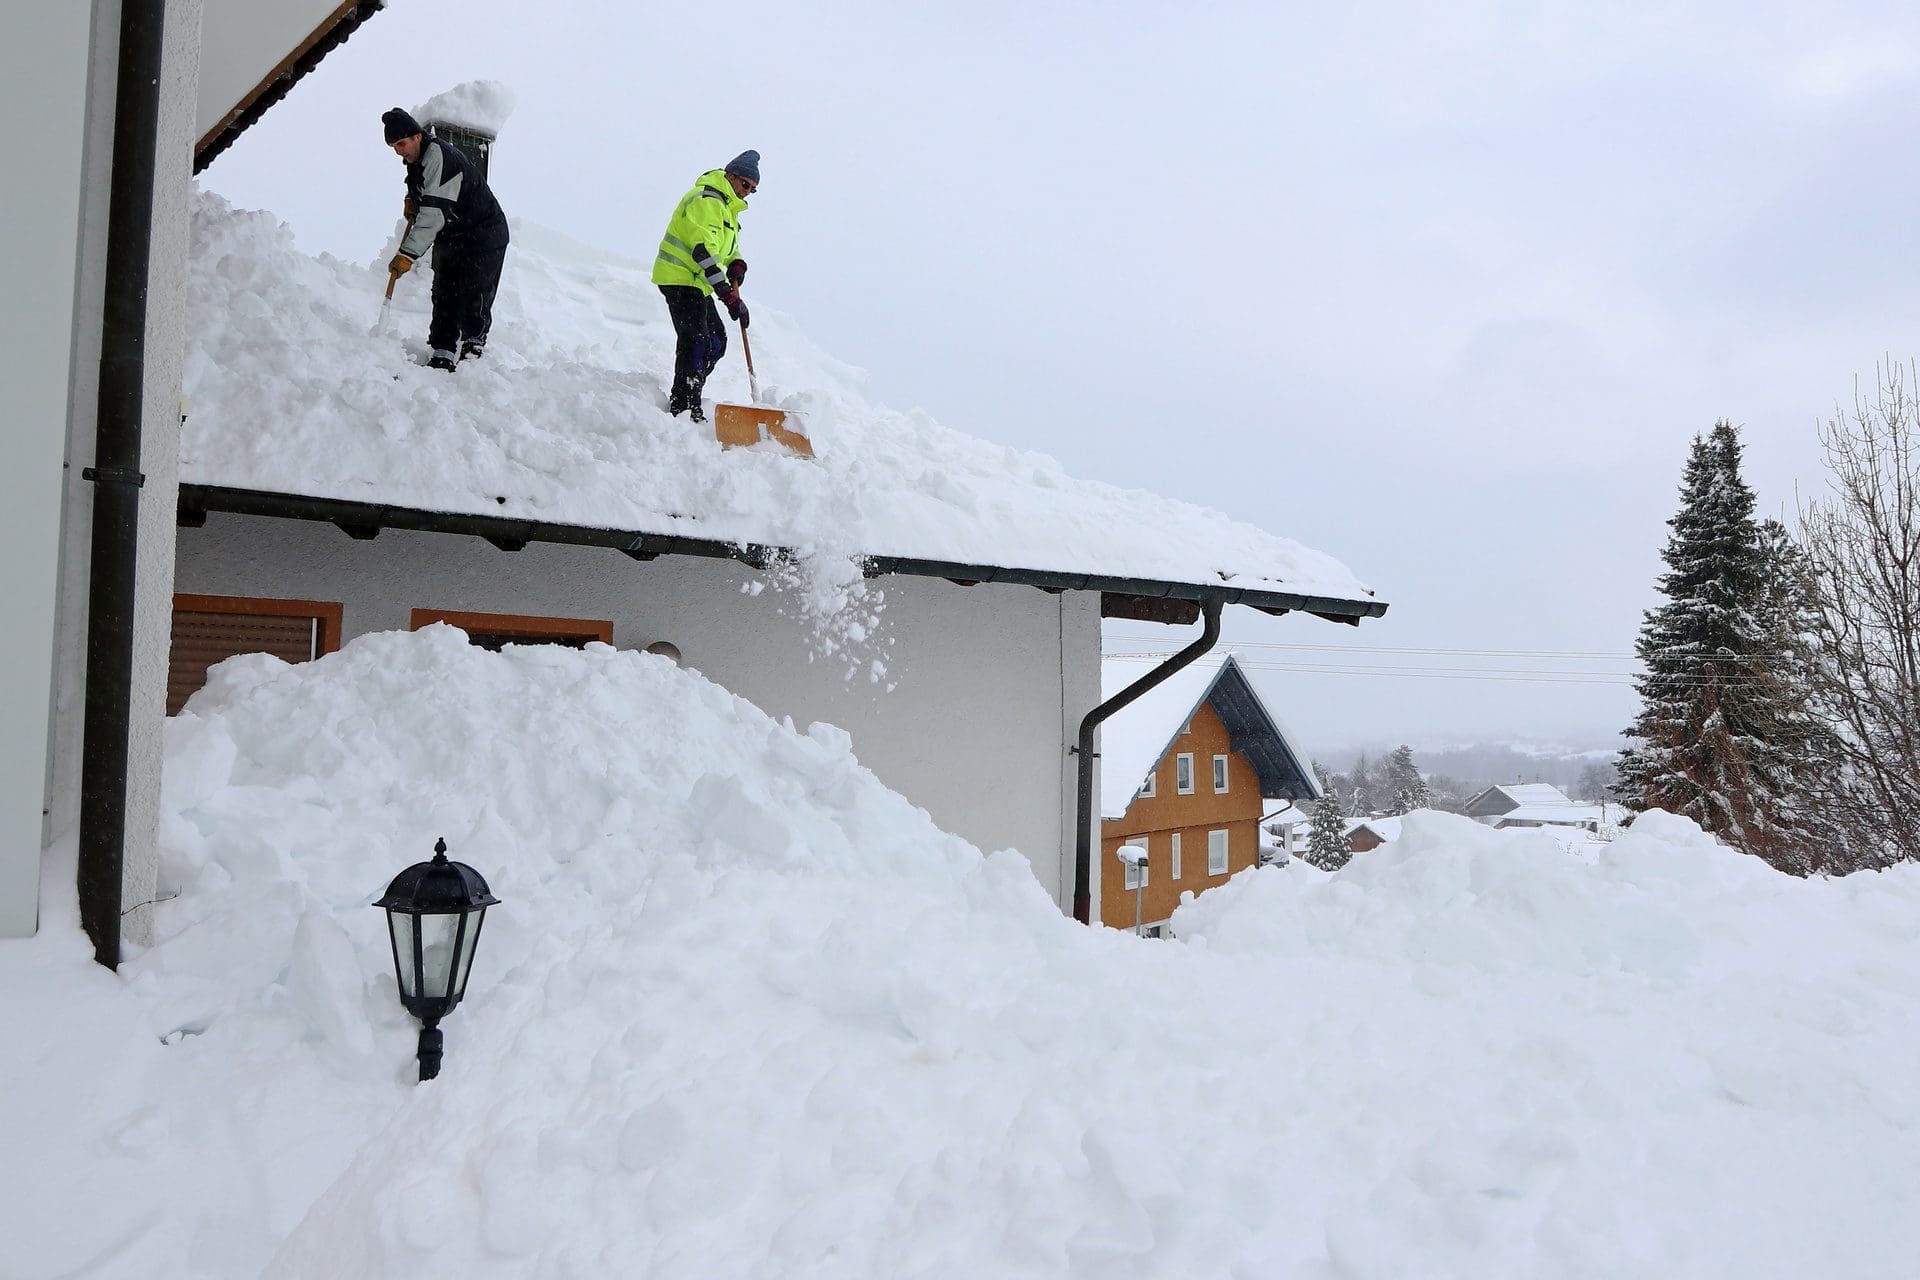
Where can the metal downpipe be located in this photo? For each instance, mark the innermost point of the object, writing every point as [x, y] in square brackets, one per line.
[1083, 831]
[116, 477]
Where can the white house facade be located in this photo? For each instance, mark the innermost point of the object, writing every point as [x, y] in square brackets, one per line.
[981, 686]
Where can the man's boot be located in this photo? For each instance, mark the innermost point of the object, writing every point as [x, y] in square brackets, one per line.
[441, 360]
[473, 348]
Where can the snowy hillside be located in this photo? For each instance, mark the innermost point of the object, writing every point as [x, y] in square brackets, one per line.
[564, 421]
[745, 1013]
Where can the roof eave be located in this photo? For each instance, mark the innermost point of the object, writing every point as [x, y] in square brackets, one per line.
[364, 520]
[327, 37]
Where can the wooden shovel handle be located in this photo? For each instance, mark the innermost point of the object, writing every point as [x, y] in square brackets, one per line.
[393, 278]
[746, 348]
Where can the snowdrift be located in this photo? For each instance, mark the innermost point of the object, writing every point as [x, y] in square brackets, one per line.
[744, 1013]
[565, 421]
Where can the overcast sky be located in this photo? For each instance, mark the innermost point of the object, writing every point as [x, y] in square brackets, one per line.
[1444, 294]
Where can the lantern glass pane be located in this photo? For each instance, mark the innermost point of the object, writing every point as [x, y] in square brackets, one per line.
[402, 926]
[436, 953]
[466, 949]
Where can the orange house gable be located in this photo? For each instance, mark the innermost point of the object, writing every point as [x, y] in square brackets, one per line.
[1189, 821]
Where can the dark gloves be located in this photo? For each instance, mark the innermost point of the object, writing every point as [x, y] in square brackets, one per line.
[400, 265]
[730, 298]
[737, 272]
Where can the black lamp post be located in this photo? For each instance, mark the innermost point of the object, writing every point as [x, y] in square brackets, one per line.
[434, 913]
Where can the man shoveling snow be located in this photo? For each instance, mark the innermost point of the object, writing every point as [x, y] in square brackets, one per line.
[699, 261]
[450, 210]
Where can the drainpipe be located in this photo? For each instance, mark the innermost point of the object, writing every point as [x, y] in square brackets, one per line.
[1083, 828]
[116, 477]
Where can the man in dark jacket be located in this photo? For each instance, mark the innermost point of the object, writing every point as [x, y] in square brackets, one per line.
[451, 211]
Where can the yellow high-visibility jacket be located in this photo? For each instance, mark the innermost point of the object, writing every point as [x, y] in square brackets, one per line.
[703, 236]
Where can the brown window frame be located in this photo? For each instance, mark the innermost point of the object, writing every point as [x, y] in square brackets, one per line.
[326, 612]
[515, 624]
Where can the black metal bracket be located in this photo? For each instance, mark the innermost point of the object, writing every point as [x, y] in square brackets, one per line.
[114, 475]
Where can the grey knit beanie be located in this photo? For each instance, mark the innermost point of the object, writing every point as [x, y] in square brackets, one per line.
[746, 165]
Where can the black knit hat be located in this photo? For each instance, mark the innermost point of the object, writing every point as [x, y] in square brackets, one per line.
[399, 125]
[746, 165]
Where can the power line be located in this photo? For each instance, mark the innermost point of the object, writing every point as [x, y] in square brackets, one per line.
[1618, 679]
[1541, 654]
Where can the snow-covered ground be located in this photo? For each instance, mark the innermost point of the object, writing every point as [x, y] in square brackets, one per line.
[292, 391]
[745, 1013]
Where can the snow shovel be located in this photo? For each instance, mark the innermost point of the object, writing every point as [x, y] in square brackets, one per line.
[386, 304]
[744, 424]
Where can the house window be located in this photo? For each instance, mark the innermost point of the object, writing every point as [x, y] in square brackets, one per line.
[210, 629]
[1175, 871]
[1219, 775]
[495, 630]
[1183, 773]
[1146, 788]
[1216, 853]
[1137, 875]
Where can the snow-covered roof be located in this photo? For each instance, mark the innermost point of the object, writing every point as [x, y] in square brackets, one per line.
[1568, 814]
[1135, 739]
[1520, 794]
[1386, 828]
[1534, 793]
[563, 425]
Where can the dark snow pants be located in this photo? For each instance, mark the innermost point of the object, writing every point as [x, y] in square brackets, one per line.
[699, 340]
[465, 278]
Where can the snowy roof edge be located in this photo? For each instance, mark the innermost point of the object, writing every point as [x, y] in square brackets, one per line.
[196, 500]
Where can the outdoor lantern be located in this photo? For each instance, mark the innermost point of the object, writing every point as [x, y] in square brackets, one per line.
[434, 912]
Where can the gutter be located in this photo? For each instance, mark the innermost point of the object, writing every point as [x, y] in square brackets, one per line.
[115, 475]
[1083, 826]
[367, 519]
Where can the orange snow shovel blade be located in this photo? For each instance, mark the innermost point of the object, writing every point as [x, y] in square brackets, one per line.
[747, 424]
[744, 424]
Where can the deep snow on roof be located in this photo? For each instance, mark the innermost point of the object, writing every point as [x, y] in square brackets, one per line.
[293, 392]
[1133, 739]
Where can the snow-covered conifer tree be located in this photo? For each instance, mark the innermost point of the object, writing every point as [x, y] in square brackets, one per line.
[1717, 731]
[1326, 834]
[1407, 790]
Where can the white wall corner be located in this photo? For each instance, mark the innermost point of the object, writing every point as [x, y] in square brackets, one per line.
[1079, 694]
[160, 461]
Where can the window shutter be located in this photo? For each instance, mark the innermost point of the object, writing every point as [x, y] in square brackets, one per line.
[202, 639]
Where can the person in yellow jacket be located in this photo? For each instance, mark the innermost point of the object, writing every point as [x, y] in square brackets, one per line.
[700, 261]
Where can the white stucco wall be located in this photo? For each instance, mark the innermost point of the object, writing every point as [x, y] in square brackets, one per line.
[160, 446]
[44, 60]
[989, 682]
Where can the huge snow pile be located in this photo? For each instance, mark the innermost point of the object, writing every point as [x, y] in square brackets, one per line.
[745, 1013]
[565, 421]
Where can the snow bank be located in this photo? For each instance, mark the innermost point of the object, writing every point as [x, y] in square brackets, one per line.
[565, 421]
[743, 1012]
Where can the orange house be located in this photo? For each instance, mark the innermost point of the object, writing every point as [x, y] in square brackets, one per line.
[1186, 773]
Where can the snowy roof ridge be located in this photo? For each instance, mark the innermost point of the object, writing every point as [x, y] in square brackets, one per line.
[563, 427]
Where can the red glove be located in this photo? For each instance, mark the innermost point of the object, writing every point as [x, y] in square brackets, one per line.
[737, 272]
[730, 299]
